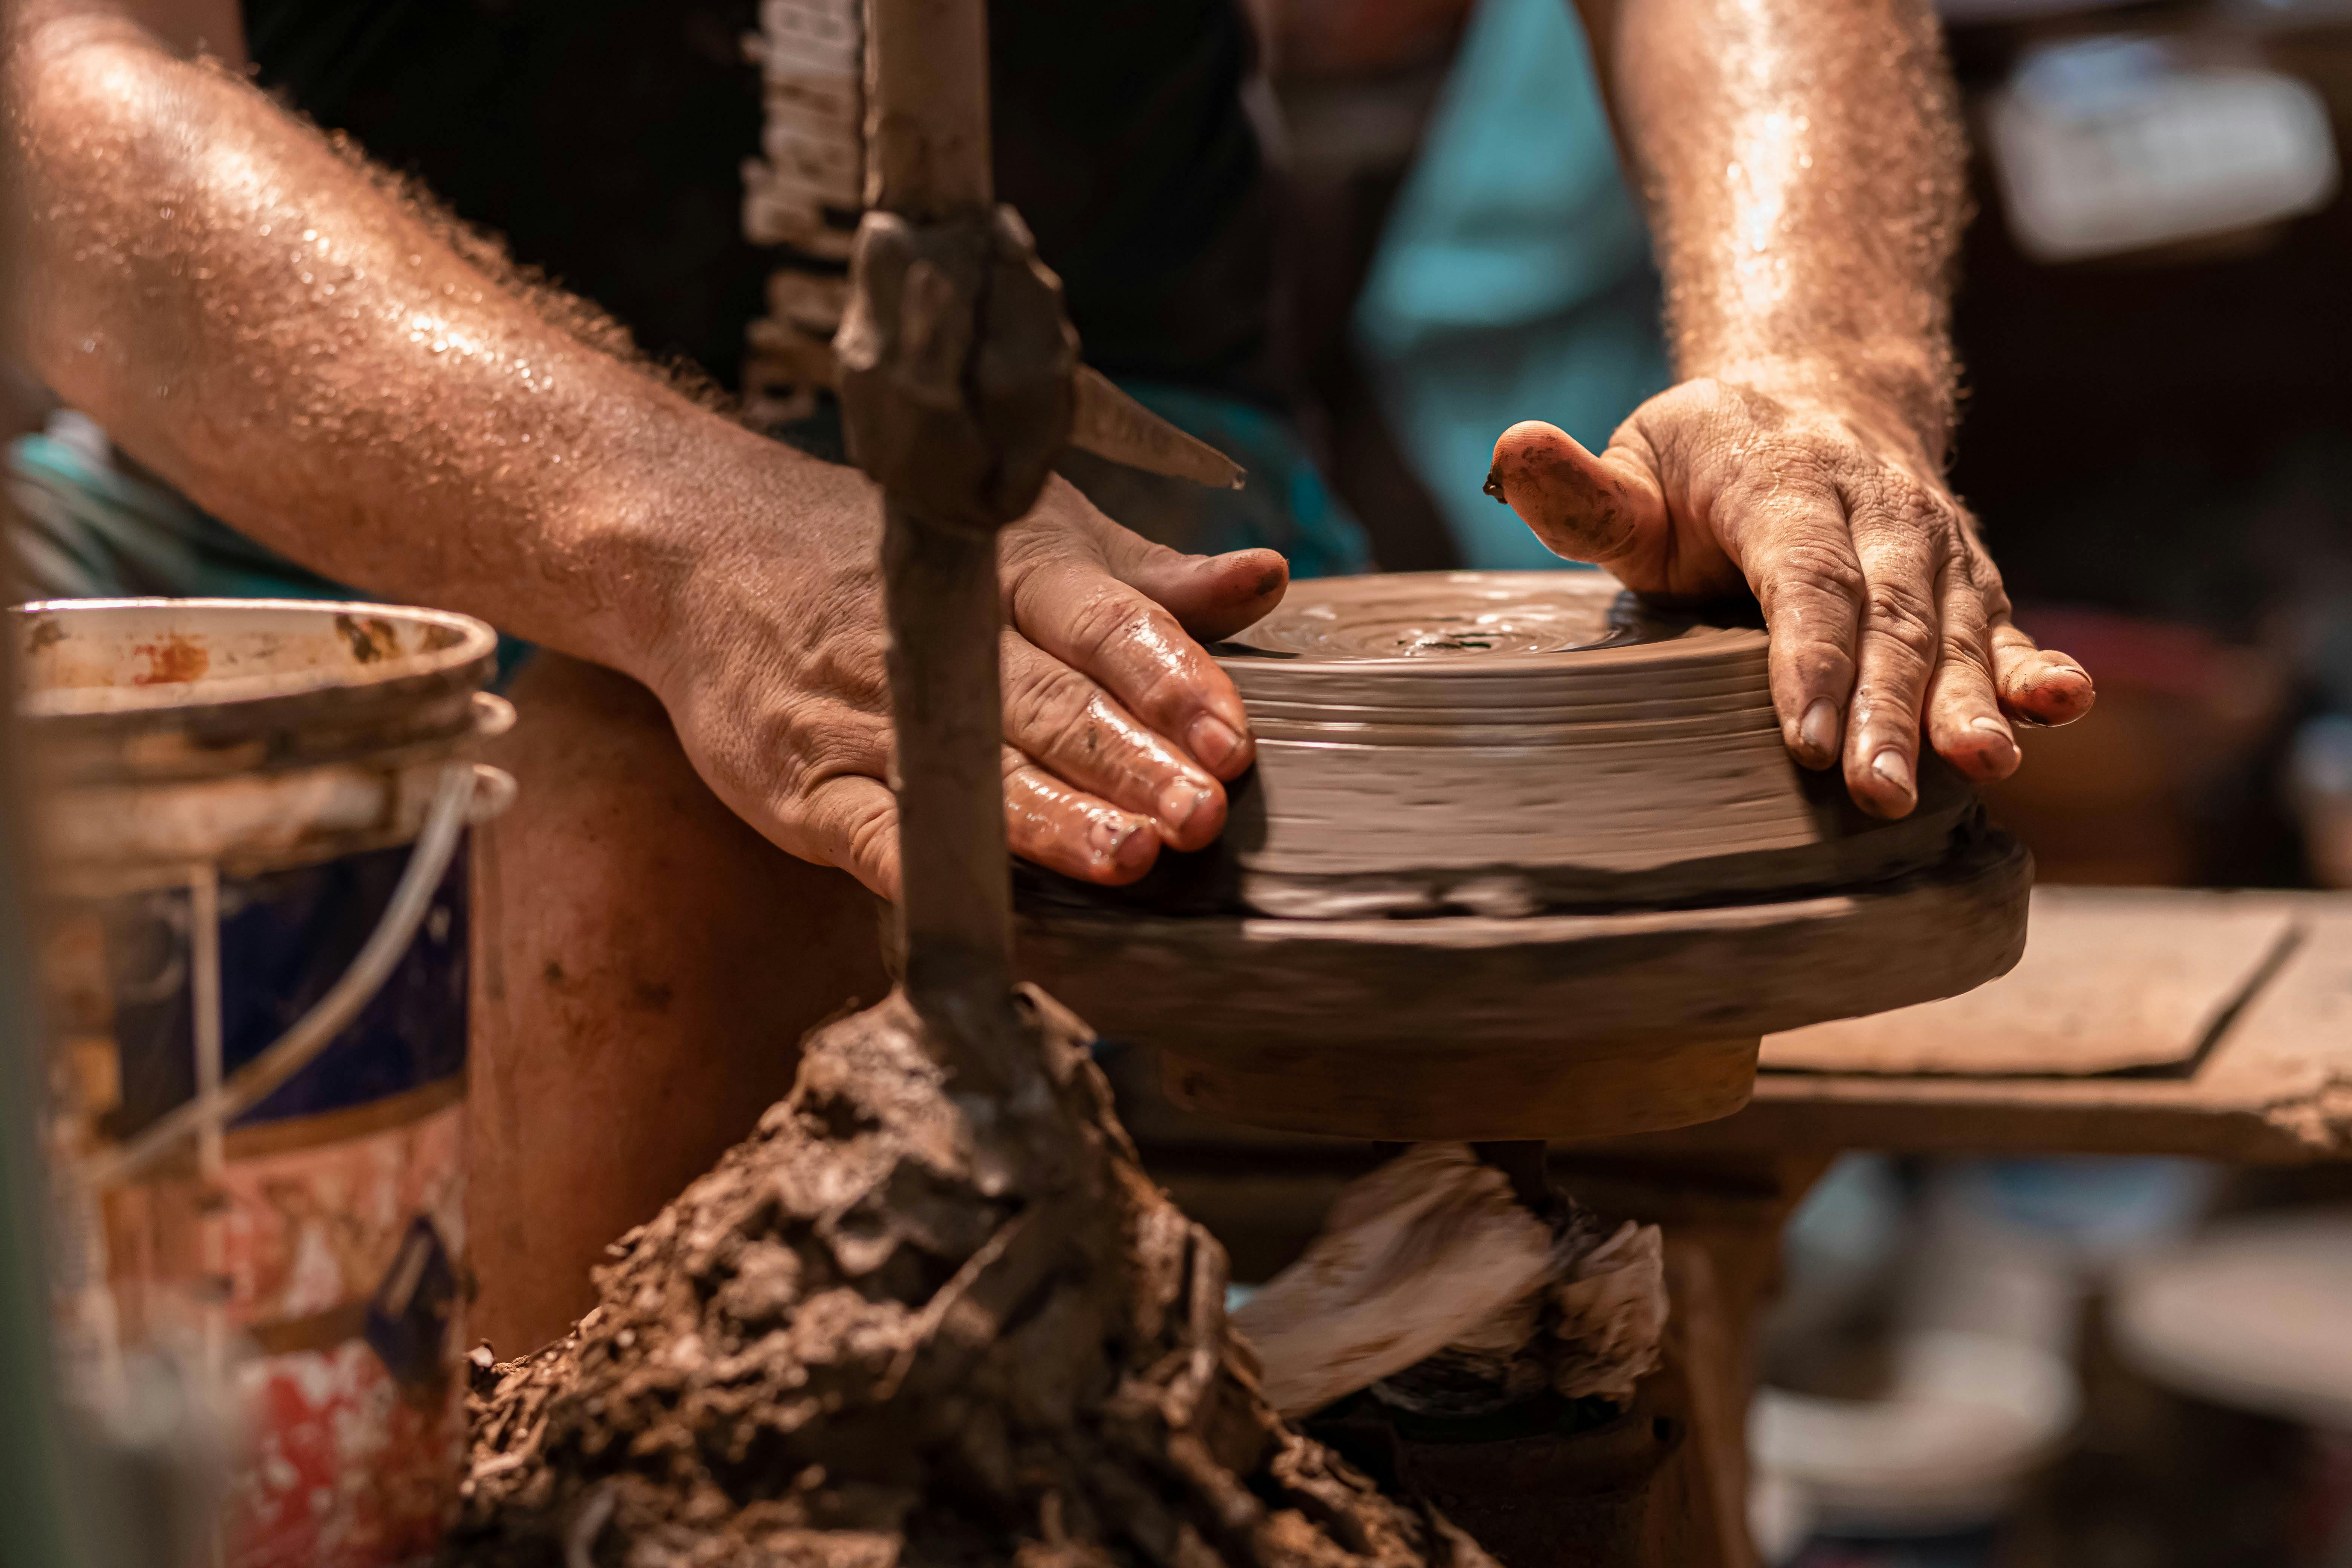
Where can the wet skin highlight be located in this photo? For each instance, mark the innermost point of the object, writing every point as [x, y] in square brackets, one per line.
[319, 359]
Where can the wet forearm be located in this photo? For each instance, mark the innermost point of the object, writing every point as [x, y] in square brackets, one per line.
[1801, 162]
[252, 317]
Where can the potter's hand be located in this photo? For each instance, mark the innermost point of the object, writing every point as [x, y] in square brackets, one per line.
[551, 487]
[1882, 605]
[1117, 726]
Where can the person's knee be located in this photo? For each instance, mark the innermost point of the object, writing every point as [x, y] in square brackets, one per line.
[617, 861]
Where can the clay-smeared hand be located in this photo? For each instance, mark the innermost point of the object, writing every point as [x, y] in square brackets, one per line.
[1118, 727]
[1885, 613]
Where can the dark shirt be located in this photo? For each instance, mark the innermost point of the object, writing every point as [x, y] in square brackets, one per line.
[605, 139]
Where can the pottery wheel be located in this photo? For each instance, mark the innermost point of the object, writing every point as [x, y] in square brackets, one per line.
[1519, 857]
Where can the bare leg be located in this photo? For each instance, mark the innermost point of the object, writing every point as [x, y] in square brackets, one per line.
[645, 965]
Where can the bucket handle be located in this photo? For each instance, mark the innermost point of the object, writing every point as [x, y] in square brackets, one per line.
[452, 808]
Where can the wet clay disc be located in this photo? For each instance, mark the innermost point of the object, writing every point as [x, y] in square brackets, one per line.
[1512, 742]
[1502, 743]
[1519, 857]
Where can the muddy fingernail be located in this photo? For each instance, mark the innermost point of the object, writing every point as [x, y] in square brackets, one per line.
[1895, 768]
[1121, 841]
[1818, 732]
[1178, 805]
[1212, 741]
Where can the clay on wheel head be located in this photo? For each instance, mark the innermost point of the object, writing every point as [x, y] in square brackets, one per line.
[1519, 858]
[1518, 743]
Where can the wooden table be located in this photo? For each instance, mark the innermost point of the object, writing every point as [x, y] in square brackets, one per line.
[2141, 1021]
[2249, 1059]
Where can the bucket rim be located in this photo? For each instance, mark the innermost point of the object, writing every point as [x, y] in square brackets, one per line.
[475, 643]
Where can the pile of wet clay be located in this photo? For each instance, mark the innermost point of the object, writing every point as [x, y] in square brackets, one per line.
[908, 1322]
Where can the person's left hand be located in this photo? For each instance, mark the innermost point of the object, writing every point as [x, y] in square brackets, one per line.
[1884, 610]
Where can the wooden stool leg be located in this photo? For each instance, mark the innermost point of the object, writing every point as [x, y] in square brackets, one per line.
[1706, 1358]
[1722, 1222]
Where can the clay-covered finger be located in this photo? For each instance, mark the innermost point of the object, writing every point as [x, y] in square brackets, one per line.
[1081, 735]
[1963, 714]
[1798, 553]
[2041, 686]
[1606, 509]
[1072, 609]
[1211, 596]
[1900, 635]
[1070, 831]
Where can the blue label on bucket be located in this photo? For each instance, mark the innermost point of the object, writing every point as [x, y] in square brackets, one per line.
[286, 938]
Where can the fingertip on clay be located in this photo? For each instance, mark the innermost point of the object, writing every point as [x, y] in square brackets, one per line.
[1236, 590]
[1884, 807]
[1189, 813]
[1885, 786]
[1123, 848]
[1813, 739]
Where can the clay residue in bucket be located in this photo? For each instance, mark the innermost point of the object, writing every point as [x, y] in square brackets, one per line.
[172, 659]
[107, 659]
[371, 639]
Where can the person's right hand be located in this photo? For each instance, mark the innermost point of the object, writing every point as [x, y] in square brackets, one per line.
[1890, 629]
[1119, 728]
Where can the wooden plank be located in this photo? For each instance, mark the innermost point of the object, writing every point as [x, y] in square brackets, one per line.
[2276, 1086]
[1991, 1115]
[2111, 979]
[2289, 1054]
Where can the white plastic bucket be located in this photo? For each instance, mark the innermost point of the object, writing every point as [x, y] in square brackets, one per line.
[250, 819]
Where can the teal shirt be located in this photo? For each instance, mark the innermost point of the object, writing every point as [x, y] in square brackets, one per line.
[1514, 281]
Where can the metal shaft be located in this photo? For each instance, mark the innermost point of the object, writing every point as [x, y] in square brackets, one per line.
[954, 904]
[927, 109]
[927, 167]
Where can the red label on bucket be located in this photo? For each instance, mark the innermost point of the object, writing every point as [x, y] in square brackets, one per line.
[323, 1267]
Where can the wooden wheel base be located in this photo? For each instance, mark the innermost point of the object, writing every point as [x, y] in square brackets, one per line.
[1546, 1026]
[1487, 1096]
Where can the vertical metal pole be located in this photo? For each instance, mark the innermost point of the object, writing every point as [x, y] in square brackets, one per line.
[927, 128]
[955, 892]
[927, 109]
